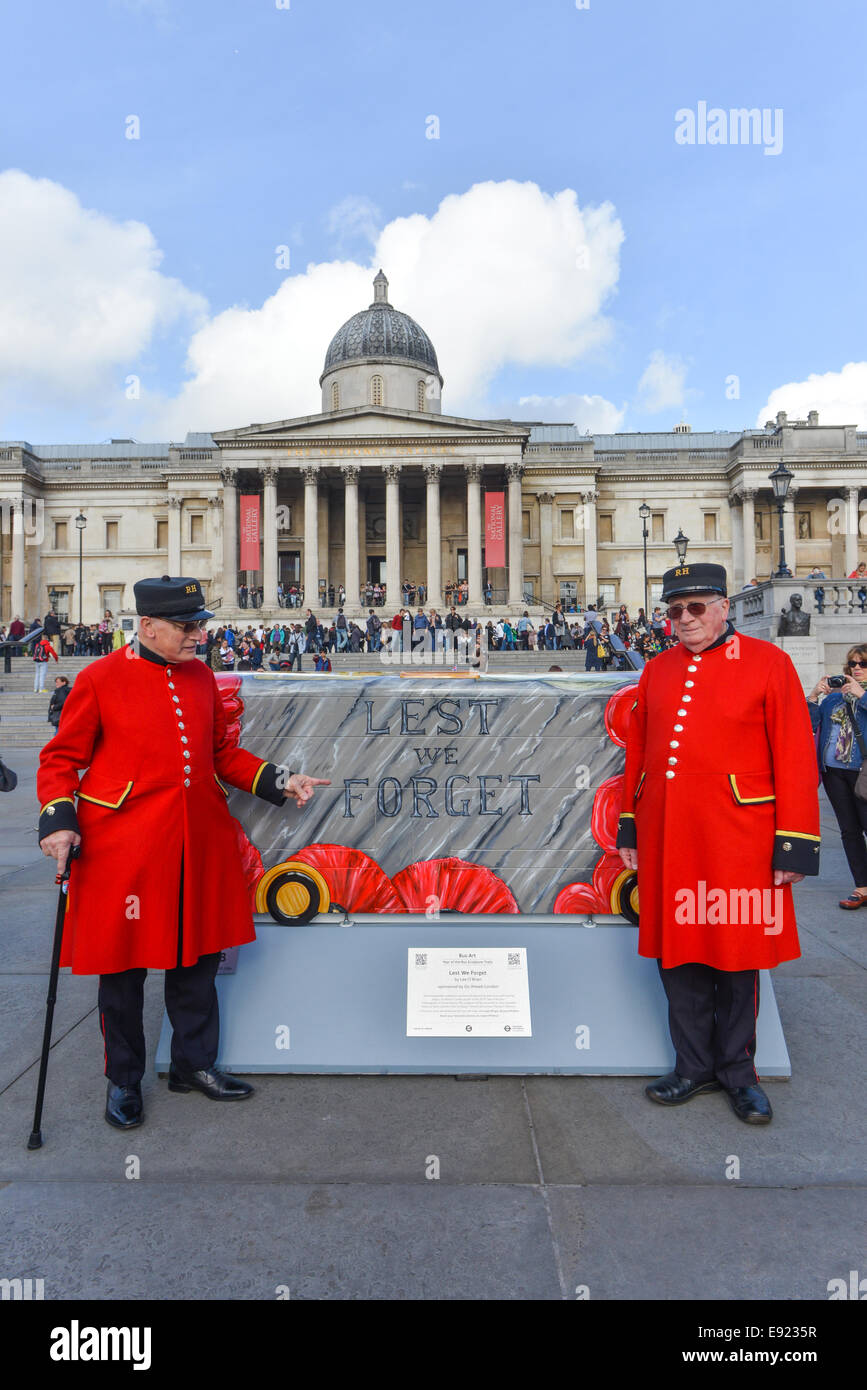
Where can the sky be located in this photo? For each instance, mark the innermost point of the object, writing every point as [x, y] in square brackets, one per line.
[194, 196]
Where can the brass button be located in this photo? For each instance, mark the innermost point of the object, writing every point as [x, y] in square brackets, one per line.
[177, 699]
[678, 728]
[49, 810]
[688, 684]
[681, 712]
[672, 761]
[669, 774]
[675, 743]
[186, 769]
[686, 699]
[180, 726]
[183, 738]
[171, 685]
[186, 781]
[692, 668]
[786, 845]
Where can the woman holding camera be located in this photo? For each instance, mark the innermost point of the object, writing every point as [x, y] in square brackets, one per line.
[839, 720]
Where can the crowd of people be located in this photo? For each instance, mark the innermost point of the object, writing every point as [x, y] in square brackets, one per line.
[60, 638]
[281, 645]
[370, 595]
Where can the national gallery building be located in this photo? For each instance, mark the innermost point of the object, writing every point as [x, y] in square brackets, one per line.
[383, 487]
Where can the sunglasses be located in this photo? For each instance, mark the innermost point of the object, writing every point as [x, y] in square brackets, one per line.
[857, 666]
[187, 628]
[695, 609]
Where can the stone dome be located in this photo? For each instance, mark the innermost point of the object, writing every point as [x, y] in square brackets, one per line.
[381, 331]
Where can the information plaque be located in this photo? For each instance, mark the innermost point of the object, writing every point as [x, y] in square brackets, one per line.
[459, 992]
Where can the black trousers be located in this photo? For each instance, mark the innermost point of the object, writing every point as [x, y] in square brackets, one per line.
[191, 1004]
[851, 816]
[712, 1020]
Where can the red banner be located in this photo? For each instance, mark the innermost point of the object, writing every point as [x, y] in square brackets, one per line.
[495, 530]
[249, 531]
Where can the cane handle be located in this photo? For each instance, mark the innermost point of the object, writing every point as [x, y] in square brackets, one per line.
[74, 852]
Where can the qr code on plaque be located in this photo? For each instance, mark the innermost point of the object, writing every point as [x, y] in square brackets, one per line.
[421, 957]
[514, 957]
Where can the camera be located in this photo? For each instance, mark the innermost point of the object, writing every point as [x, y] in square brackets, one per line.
[836, 682]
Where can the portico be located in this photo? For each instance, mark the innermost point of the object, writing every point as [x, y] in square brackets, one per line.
[411, 504]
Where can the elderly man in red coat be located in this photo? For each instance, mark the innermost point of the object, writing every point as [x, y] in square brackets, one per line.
[720, 816]
[159, 883]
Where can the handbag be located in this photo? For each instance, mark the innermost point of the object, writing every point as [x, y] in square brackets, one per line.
[8, 778]
[861, 779]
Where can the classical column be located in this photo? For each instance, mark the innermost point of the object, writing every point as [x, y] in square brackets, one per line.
[270, 475]
[432, 471]
[474, 531]
[393, 535]
[230, 536]
[591, 570]
[852, 520]
[749, 496]
[215, 537]
[351, 569]
[789, 527]
[35, 574]
[362, 536]
[311, 537]
[174, 561]
[18, 542]
[546, 545]
[735, 502]
[515, 558]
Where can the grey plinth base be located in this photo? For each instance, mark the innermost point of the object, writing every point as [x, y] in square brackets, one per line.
[341, 993]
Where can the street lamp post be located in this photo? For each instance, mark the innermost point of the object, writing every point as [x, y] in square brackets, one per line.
[644, 513]
[81, 522]
[781, 479]
[680, 543]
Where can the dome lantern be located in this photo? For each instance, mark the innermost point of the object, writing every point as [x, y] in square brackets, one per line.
[381, 356]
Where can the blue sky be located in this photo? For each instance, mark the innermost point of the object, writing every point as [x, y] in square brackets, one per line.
[306, 127]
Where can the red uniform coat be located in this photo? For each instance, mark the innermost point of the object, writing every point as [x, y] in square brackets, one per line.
[153, 741]
[719, 790]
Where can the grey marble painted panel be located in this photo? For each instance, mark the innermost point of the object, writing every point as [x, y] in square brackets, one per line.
[500, 773]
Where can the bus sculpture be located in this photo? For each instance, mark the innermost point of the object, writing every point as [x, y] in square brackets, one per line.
[474, 794]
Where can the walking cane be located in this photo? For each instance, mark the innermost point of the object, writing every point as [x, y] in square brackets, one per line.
[35, 1140]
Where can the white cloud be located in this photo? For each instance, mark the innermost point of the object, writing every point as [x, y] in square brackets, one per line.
[662, 384]
[354, 218]
[593, 413]
[840, 398]
[82, 294]
[501, 274]
[494, 276]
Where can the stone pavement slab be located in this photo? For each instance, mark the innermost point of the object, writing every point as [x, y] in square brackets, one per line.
[723, 1242]
[237, 1240]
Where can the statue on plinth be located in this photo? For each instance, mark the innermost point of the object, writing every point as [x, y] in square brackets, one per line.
[793, 621]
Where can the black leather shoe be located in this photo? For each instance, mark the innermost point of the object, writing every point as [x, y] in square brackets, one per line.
[750, 1104]
[677, 1090]
[216, 1085]
[123, 1105]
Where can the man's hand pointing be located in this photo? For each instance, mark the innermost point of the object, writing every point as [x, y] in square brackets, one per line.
[300, 787]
